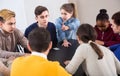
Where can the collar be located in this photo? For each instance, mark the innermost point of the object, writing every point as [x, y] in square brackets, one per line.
[39, 54]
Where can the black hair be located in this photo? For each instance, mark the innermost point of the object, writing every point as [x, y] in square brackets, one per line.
[116, 18]
[102, 15]
[86, 33]
[39, 39]
[39, 10]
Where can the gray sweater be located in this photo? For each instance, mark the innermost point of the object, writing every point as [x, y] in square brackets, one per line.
[107, 66]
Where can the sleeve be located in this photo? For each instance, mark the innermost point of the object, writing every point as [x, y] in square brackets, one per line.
[60, 33]
[74, 24]
[114, 47]
[62, 71]
[7, 54]
[77, 59]
[22, 40]
[117, 63]
[4, 70]
[54, 38]
[116, 40]
[26, 33]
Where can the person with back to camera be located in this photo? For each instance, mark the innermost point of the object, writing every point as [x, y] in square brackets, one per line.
[67, 24]
[42, 16]
[106, 36]
[37, 64]
[97, 60]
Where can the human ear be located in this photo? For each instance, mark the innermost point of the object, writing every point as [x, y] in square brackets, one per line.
[50, 45]
[79, 41]
[29, 48]
[1, 24]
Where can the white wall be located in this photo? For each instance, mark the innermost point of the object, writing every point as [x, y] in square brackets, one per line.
[52, 5]
[88, 9]
[24, 10]
[18, 7]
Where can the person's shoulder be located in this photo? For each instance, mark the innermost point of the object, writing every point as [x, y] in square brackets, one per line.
[51, 23]
[103, 48]
[17, 31]
[54, 63]
[58, 68]
[74, 19]
[32, 25]
[83, 47]
[59, 19]
[18, 59]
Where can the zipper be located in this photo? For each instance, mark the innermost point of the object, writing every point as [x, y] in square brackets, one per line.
[102, 35]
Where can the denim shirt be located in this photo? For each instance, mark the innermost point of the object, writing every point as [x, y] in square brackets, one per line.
[73, 25]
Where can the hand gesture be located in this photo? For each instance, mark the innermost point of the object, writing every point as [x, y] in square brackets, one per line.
[66, 43]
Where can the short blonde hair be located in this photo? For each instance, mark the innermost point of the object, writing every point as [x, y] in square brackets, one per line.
[6, 14]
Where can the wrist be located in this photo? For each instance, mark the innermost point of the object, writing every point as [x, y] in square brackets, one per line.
[65, 40]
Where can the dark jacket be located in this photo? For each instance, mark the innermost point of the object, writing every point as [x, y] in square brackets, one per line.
[108, 36]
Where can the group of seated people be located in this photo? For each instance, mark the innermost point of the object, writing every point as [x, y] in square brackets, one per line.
[98, 52]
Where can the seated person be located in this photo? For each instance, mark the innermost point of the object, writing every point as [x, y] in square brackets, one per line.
[116, 29]
[67, 24]
[4, 71]
[41, 16]
[37, 64]
[95, 59]
[105, 34]
[10, 36]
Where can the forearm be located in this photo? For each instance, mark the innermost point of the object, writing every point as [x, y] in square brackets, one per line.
[109, 43]
[4, 70]
[6, 54]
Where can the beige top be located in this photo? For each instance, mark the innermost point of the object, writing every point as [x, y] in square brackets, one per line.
[8, 43]
[107, 66]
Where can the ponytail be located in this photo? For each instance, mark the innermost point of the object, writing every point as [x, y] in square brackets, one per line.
[87, 34]
[97, 50]
[74, 10]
